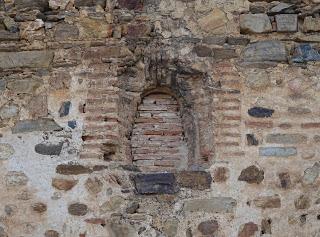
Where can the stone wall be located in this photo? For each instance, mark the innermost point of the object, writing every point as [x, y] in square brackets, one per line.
[229, 90]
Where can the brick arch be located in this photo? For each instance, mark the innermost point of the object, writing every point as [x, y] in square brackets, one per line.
[158, 141]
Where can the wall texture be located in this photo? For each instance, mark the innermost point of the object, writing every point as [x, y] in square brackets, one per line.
[159, 118]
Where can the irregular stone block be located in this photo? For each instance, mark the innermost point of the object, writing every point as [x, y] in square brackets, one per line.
[78, 209]
[211, 205]
[72, 124]
[38, 106]
[268, 202]
[224, 53]
[199, 180]
[278, 151]
[39, 4]
[64, 184]
[65, 108]
[123, 230]
[202, 51]
[213, 21]
[258, 80]
[159, 183]
[24, 126]
[260, 112]
[248, 230]
[299, 110]
[251, 175]
[29, 59]
[266, 226]
[170, 227]
[285, 181]
[286, 138]
[9, 111]
[49, 149]
[94, 185]
[6, 151]
[208, 227]
[51, 233]
[311, 174]
[302, 202]
[138, 30]
[113, 204]
[8, 36]
[255, 23]
[89, 3]
[232, 40]
[305, 53]
[279, 8]
[287, 22]
[251, 140]
[131, 4]
[16, 178]
[3, 233]
[27, 86]
[39, 207]
[66, 31]
[216, 40]
[311, 24]
[271, 50]
[72, 169]
[10, 25]
[220, 174]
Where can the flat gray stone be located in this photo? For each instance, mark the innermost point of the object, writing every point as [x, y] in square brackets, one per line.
[44, 124]
[24, 86]
[255, 23]
[286, 138]
[9, 111]
[8, 36]
[211, 205]
[49, 149]
[265, 51]
[29, 59]
[280, 7]
[311, 24]
[278, 151]
[158, 183]
[287, 22]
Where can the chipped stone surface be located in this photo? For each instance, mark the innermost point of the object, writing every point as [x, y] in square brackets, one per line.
[255, 23]
[252, 174]
[24, 126]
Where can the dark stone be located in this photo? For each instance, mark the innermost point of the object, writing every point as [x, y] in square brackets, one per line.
[252, 175]
[259, 112]
[78, 209]
[39, 207]
[138, 30]
[251, 140]
[35, 125]
[302, 202]
[285, 180]
[199, 180]
[49, 149]
[66, 31]
[238, 40]
[3, 233]
[216, 40]
[89, 3]
[266, 226]
[72, 124]
[224, 53]
[43, 124]
[208, 227]
[265, 51]
[72, 169]
[220, 174]
[63, 184]
[248, 230]
[159, 183]
[202, 51]
[42, 5]
[305, 53]
[2, 85]
[8, 36]
[131, 4]
[51, 233]
[65, 109]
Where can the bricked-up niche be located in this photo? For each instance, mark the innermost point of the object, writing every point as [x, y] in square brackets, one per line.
[158, 142]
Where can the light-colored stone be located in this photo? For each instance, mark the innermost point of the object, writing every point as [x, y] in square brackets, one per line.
[16, 178]
[258, 80]
[6, 151]
[287, 22]
[311, 24]
[9, 111]
[255, 23]
[214, 20]
[112, 205]
[214, 205]
[311, 174]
